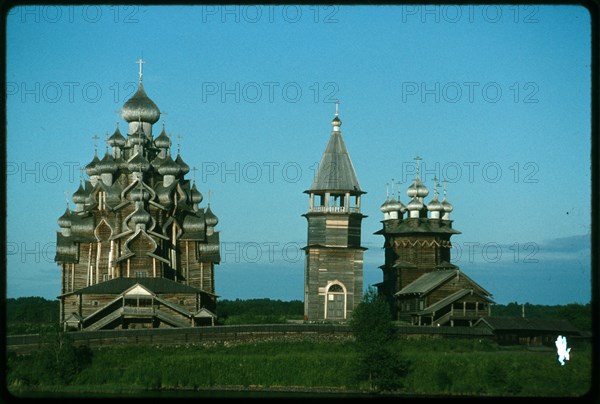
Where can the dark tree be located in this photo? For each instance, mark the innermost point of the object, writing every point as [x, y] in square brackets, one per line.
[374, 335]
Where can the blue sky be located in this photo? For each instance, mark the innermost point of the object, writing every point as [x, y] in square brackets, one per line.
[496, 99]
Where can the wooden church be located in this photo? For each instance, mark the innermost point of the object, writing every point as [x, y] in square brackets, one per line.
[333, 271]
[137, 251]
[420, 284]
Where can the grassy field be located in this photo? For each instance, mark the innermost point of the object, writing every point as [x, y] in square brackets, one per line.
[312, 365]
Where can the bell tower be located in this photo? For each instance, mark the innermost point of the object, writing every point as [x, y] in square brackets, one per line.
[333, 270]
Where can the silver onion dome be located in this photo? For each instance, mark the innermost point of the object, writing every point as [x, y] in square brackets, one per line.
[65, 220]
[447, 206]
[397, 206]
[107, 164]
[415, 204]
[196, 195]
[162, 141]
[336, 121]
[117, 139]
[435, 205]
[141, 107]
[169, 167]
[79, 196]
[184, 167]
[417, 188]
[138, 163]
[386, 206]
[91, 168]
[140, 194]
[210, 218]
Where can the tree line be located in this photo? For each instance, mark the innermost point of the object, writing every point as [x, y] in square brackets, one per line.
[31, 315]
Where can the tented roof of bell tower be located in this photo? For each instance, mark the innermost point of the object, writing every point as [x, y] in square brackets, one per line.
[336, 172]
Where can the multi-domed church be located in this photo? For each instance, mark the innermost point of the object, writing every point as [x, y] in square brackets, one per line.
[420, 283]
[138, 250]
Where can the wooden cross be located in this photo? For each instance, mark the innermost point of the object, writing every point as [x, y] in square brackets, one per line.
[179, 137]
[163, 113]
[95, 137]
[417, 163]
[194, 173]
[140, 62]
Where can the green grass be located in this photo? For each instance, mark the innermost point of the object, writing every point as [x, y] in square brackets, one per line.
[437, 367]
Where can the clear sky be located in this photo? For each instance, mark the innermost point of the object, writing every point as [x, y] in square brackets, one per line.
[495, 99]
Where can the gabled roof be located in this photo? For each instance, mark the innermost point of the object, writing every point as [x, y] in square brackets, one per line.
[155, 285]
[336, 172]
[431, 280]
[459, 294]
[520, 323]
[427, 282]
[205, 313]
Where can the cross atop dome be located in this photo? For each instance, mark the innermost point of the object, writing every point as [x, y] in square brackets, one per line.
[140, 62]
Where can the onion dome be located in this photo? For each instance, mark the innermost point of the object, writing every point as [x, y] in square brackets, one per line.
[107, 164]
[140, 194]
[417, 188]
[169, 167]
[141, 107]
[140, 216]
[138, 163]
[336, 122]
[396, 206]
[91, 168]
[79, 196]
[447, 206]
[162, 141]
[196, 195]
[117, 139]
[184, 167]
[435, 205]
[415, 204]
[209, 216]
[386, 206]
[157, 161]
[65, 220]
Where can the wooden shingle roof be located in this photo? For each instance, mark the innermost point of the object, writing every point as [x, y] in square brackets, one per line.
[119, 285]
[336, 172]
[521, 323]
[431, 280]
